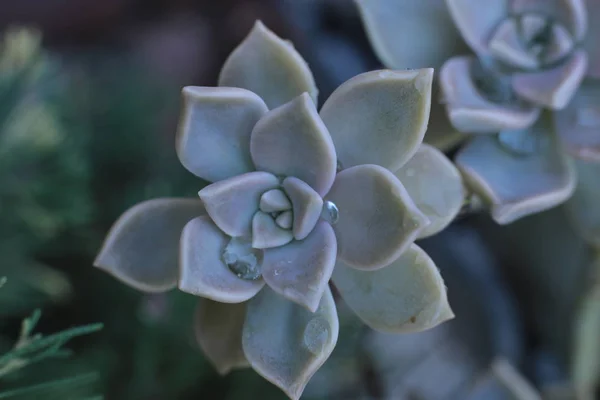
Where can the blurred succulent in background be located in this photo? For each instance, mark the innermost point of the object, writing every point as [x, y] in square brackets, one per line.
[296, 193]
[529, 90]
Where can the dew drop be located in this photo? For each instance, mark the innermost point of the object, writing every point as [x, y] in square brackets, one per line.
[339, 166]
[243, 260]
[330, 212]
[316, 335]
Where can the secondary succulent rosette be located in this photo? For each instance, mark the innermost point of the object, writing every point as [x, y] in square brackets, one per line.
[530, 89]
[298, 197]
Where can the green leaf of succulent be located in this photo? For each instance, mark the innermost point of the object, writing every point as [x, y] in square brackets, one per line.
[583, 207]
[407, 295]
[287, 344]
[379, 117]
[266, 233]
[515, 185]
[213, 138]
[476, 20]
[291, 140]
[218, 329]
[435, 185]
[142, 247]
[552, 88]
[203, 268]
[393, 25]
[377, 218]
[270, 67]
[307, 206]
[300, 270]
[469, 111]
[578, 125]
[232, 203]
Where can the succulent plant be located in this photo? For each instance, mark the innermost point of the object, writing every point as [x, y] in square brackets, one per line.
[529, 90]
[298, 197]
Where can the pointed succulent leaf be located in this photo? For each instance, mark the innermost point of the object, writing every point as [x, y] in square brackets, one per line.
[507, 45]
[552, 88]
[406, 296]
[291, 140]
[570, 13]
[300, 270]
[233, 202]
[582, 207]
[515, 185]
[578, 125]
[142, 247]
[268, 66]
[477, 20]
[393, 25]
[379, 117]
[218, 329]
[592, 39]
[307, 206]
[377, 218]
[286, 343]
[435, 185]
[469, 111]
[203, 271]
[274, 201]
[266, 233]
[213, 138]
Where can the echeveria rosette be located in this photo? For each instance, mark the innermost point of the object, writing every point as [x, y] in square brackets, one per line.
[296, 196]
[530, 57]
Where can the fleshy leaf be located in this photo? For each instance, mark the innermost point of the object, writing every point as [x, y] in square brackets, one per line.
[233, 202]
[393, 25]
[379, 117]
[377, 218]
[507, 45]
[516, 185]
[291, 140]
[274, 201]
[218, 328]
[300, 271]
[213, 139]
[552, 88]
[561, 44]
[203, 271]
[142, 247]
[477, 20]
[266, 233]
[307, 206]
[406, 296]
[578, 125]
[592, 39]
[286, 343]
[435, 185]
[285, 219]
[268, 66]
[469, 111]
[582, 207]
[570, 13]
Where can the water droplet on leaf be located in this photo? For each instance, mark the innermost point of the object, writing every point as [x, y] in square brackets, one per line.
[243, 260]
[316, 335]
[330, 212]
